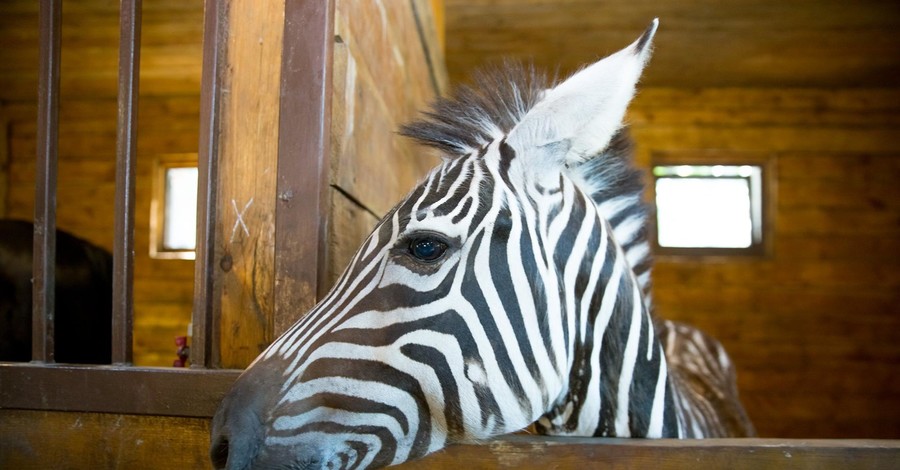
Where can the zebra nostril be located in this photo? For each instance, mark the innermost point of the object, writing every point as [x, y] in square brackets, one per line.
[219, 453]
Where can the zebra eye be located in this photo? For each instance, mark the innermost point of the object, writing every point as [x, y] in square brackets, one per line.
[427, 249]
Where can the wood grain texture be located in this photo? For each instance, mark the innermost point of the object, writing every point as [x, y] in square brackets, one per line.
[810, 326]
[248, 152]
[382, 78]
[99, 440]
[168, 121]
[94, 440]
[700, 43]
[526, 452]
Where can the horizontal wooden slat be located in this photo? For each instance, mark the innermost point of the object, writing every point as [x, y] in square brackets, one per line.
[111, 389]
[149, 442]
[51, 439]
[572, 453]
[701, 43]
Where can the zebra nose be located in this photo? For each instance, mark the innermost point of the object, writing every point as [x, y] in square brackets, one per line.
[226, 454]
[236, 437]
[240, 426]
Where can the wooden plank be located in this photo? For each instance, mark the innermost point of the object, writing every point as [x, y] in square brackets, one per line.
[301, 210]
[381, 80]
[728, 107]
[806, 47]
[873, 248]
[114, 389]
[351, 225]
[761, 274]
[45, 439]
[4, 159]
[247, 162]
[571, 453]
[89, 440]
[840, 167]
[90, 43]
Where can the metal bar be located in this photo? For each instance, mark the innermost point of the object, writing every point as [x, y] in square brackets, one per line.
[301, 210]
[203, 350]
[126, 151]
[114, 389]
[44, 262]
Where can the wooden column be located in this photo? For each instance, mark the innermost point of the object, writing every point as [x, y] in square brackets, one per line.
[246, 158]
[302, 207]
[267, 151]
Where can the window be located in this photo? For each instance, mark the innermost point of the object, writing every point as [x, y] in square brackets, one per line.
[173, 218]
[709, 209]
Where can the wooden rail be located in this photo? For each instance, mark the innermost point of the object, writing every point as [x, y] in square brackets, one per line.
[103, 440]
[528, 452]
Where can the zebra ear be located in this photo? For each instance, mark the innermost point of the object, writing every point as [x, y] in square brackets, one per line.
[577, 119]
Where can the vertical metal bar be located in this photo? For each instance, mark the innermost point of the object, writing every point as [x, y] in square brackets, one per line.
[301, 210]
[126, 150]
[44, 263]
[214, 36]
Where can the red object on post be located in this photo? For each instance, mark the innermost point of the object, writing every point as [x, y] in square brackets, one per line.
[182, 352]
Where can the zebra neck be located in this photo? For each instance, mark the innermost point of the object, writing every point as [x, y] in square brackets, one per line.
[618, 379]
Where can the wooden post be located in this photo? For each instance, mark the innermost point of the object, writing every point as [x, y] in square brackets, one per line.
[247, 273]
[302, 207]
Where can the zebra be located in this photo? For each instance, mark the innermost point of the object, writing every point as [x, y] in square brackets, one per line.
[510, 288]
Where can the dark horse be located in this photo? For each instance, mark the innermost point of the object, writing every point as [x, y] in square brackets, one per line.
[83, 320]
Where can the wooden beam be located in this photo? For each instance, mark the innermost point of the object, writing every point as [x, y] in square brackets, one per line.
[530, 452]
[114, 389]
[302, 206]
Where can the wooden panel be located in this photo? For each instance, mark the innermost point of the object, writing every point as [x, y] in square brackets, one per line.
[45, 439]
[248, 149]
[170, 57]
[94, 440]
[810, 327]
[701, 43]
[382, 80]
[350, 225]
[4, 159]
[572, 453]
[383, 75]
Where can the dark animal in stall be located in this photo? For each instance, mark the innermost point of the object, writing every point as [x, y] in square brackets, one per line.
[83, 320]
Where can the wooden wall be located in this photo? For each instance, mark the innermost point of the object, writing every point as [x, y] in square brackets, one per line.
[812, 325]
[812, 88]
[382, 78]
[168, 123]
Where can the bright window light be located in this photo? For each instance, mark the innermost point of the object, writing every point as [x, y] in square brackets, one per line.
[180, 219]
[708, 206]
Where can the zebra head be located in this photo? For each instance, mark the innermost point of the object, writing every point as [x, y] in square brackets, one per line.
[465, 313]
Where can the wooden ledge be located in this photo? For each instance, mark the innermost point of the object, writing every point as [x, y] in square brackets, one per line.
[114, 389]
[532, 452]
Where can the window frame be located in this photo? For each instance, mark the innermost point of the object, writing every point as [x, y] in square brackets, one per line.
[161, 164]
[711, 157]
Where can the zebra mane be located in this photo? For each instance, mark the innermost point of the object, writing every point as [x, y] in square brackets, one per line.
[477, 114]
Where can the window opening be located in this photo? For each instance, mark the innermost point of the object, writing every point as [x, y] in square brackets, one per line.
[709, 207]
[173, 224]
